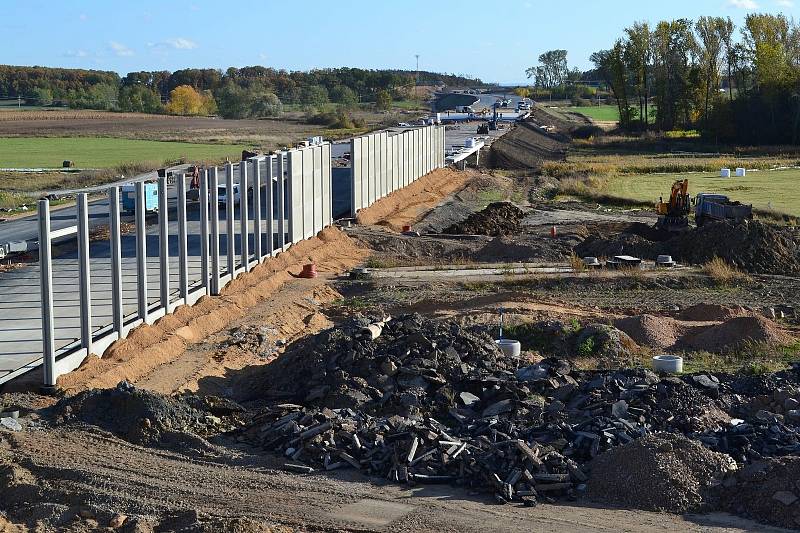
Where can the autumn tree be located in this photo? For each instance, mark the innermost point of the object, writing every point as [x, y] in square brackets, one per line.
[185, 100]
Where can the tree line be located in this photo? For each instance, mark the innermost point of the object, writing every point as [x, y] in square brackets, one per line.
[732, 86]
[235, 93]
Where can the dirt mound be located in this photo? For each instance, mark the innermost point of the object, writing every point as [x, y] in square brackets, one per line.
[732, 333]
[526, 147]
[145, 417]
[649, 330]
[659, 472]
[767, 491]
[523, 248]
[707, 312]
[752, 246]
[498, 218]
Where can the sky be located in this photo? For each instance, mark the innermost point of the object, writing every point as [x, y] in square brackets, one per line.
[493, 41]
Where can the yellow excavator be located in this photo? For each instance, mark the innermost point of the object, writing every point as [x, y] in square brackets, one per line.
[674, 215]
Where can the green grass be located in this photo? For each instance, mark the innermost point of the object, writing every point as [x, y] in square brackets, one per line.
[91, 152]
[777, 190]
[604, 113]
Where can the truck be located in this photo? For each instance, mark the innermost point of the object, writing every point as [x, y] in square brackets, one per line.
[710, 206]
[150, 197]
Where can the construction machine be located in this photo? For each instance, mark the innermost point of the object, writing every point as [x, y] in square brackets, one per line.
[709, 206]
[674, 214]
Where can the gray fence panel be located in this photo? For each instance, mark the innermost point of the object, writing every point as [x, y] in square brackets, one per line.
[327, 186]
[294, 182]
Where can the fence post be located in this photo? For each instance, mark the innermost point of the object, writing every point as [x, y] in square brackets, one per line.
[203, 198]
[214, 215]
[281, 200]
[141, 251]
[183, 246]
[46, 290]
[163, 242]
[269, 212]
[84, 272]
[244, 227]
[257, 210]
[116, 259]
[230, 229]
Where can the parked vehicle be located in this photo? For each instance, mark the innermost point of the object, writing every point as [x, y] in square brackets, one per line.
[150, 197]
[222, 194]
[709, 206]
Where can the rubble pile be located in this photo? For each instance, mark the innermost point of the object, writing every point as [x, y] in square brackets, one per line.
[767, 491]
[498, 218]
[415, 400]
[144, 417]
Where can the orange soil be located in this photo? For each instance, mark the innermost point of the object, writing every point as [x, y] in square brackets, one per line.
[149, 346]
[405, 206]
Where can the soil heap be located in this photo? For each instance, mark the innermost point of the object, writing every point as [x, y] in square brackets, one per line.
[751, 246]
[659, 472]
[144, 417]
[498, 218]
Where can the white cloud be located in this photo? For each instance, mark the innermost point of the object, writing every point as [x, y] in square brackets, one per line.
[743, 4]
[120, 49]
[75, 53]
[786, 3]
[181, 43]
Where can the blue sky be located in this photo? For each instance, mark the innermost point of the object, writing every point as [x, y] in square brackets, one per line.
[493, 40]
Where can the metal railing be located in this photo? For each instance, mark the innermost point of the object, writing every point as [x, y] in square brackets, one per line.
[283, 184]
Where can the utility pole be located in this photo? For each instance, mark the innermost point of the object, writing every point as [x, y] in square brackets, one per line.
[417, 74]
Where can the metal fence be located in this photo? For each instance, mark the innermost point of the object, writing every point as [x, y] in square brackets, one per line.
[254, 209]
[383, 163]
[193, 241]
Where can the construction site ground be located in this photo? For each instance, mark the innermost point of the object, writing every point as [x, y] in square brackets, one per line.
[59, 474]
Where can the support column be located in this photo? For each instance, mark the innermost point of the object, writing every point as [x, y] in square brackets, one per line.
[46, 291]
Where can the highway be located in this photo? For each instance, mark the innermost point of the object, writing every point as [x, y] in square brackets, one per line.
[27, 228]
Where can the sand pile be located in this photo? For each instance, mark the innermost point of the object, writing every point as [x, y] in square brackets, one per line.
[732, 333]
[659, 472]
[498, 218]
[649, 330]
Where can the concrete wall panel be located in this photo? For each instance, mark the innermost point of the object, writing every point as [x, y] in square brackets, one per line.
[327, 186]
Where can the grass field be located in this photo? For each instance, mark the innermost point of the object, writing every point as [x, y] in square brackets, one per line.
[603, 113]
[777, 190]
[88, 152]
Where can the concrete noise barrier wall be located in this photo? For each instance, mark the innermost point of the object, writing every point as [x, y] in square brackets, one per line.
[382, 163]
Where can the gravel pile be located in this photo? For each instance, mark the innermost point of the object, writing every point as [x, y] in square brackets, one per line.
[733, 333]
[499, 218]
[649, 330]
[659, 472]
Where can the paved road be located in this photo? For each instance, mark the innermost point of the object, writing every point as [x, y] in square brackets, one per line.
[20, 320]
[27, 228]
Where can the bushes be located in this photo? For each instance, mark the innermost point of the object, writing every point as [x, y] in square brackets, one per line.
[338, 119]
[722, 273]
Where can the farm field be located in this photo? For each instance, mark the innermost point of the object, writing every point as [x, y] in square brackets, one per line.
[93, 152]
[767, 189]
[603, 113]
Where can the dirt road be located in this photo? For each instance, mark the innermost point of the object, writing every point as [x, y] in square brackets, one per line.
[103, 475]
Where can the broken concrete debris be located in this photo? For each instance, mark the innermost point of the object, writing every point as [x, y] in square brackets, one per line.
[436, 402]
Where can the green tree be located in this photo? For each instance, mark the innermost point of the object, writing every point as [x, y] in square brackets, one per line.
[383, 100]
[314, 97]
[42, 96]
[265, 105]
[233, 101]
[139, 99]
[347, 97]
